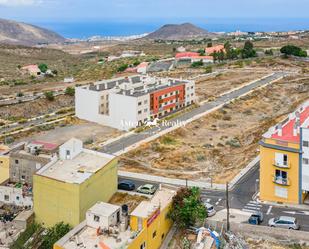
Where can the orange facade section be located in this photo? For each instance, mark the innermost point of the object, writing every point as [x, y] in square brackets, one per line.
[167, 98]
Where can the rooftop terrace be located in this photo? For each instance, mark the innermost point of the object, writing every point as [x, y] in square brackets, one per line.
[78, 169]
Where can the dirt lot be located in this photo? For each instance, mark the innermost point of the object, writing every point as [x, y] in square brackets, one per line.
[223, 82]
[88, 132]
[131, 200]
[35, 108]
[219, 145]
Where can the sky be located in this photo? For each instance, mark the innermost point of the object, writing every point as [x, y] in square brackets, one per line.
[177, 10]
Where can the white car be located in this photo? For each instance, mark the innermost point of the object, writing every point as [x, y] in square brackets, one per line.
[210, 209]
[284, 222]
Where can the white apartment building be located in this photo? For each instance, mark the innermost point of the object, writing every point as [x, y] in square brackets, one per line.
[126, 103]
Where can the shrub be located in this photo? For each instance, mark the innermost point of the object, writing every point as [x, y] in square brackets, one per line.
[208, 69]
[197, 64]
[49, 95]
[122, 68]
[43, 67]
[70, 91]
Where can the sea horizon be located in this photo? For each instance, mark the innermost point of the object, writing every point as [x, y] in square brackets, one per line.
[89, 28]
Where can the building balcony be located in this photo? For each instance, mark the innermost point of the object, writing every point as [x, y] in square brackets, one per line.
[284, 165]
[281, 181]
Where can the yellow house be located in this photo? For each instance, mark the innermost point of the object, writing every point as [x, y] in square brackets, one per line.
[284, 159]
[65, 188]
[105, 226]
[4, 163]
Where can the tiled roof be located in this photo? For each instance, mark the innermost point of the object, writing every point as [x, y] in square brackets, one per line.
[287, 128]
[213, 49]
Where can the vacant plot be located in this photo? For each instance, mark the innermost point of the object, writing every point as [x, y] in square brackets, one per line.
[90, 133]
[131, 200]
[35, 108]
[223, 82]
[222, 143]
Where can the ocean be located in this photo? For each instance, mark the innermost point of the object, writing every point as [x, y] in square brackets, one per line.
[85, 29]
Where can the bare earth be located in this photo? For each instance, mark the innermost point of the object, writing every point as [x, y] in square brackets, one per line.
[222, 143]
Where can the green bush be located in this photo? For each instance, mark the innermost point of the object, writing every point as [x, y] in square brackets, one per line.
[49, 95]
[70, 91]
[43, 67]
[197, 64]
[122, 68]
[293, 50]
[208, 69]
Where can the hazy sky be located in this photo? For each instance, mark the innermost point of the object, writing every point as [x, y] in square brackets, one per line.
[61, 10]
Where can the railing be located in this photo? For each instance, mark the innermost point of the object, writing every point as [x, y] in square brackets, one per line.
[282, 181]
[285, 165]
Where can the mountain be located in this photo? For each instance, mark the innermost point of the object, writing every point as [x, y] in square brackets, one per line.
[13, 32]
[178, 32]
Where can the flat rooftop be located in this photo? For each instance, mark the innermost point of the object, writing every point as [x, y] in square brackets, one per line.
[78, 169]
[161, 199]
[134, 85]
[289, 124]
[103, 209]
[84, 236]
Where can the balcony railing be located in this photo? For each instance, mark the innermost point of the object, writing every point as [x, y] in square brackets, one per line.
[285, 165]
[281, 180]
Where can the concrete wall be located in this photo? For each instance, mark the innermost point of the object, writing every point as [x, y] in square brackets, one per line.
[70, 149]
[267, 233]
[305, 167]
[11, 195]
[4, 168]
[22, 167]
[123, 111]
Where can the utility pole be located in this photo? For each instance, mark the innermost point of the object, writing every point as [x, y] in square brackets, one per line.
[227, 207]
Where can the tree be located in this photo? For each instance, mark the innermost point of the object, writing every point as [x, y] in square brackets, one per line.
[136, 63]
[269, 52]
[70, 91]
[221, 55]
[248, 51]
[201, 52]
[187, 208]
[293, 50]
[49, 95]
[122, 67]
[53, 234]
[197, 64]
[43, 67]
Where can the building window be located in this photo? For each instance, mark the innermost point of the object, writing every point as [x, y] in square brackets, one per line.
[145, 110]
[306, 161]
[139, 103]
[191, 87]
[17, 198]
[145, 101]
[281, 192]
[16, 161]
[139, 112]
[281, 159]
[305, 143]
[162, 236]
[96, 218]
[143, 246]
[23, 177]
[154, 234]
[6, 198]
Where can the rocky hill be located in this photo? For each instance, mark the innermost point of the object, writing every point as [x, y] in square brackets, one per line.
[178, 32]
[12, 32]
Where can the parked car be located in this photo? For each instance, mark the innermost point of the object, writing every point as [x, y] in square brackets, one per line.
[148, 189]
[256, 218]
[210, 209]
[126, 185]
[284, 222]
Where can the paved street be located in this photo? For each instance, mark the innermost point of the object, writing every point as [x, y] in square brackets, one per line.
[241, 198]
[125, 142]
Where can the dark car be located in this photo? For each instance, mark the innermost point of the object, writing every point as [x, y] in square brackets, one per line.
[256, 218]
[126, 185]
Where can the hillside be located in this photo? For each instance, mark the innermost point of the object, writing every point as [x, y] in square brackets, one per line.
[12, 32]
[177, 32]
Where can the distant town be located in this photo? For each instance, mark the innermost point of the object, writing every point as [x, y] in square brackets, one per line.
[178, 138]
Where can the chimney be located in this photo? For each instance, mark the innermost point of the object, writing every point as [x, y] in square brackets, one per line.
[295, 129]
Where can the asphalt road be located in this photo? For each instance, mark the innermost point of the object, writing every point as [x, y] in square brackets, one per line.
[241, 198]
[122, 143]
